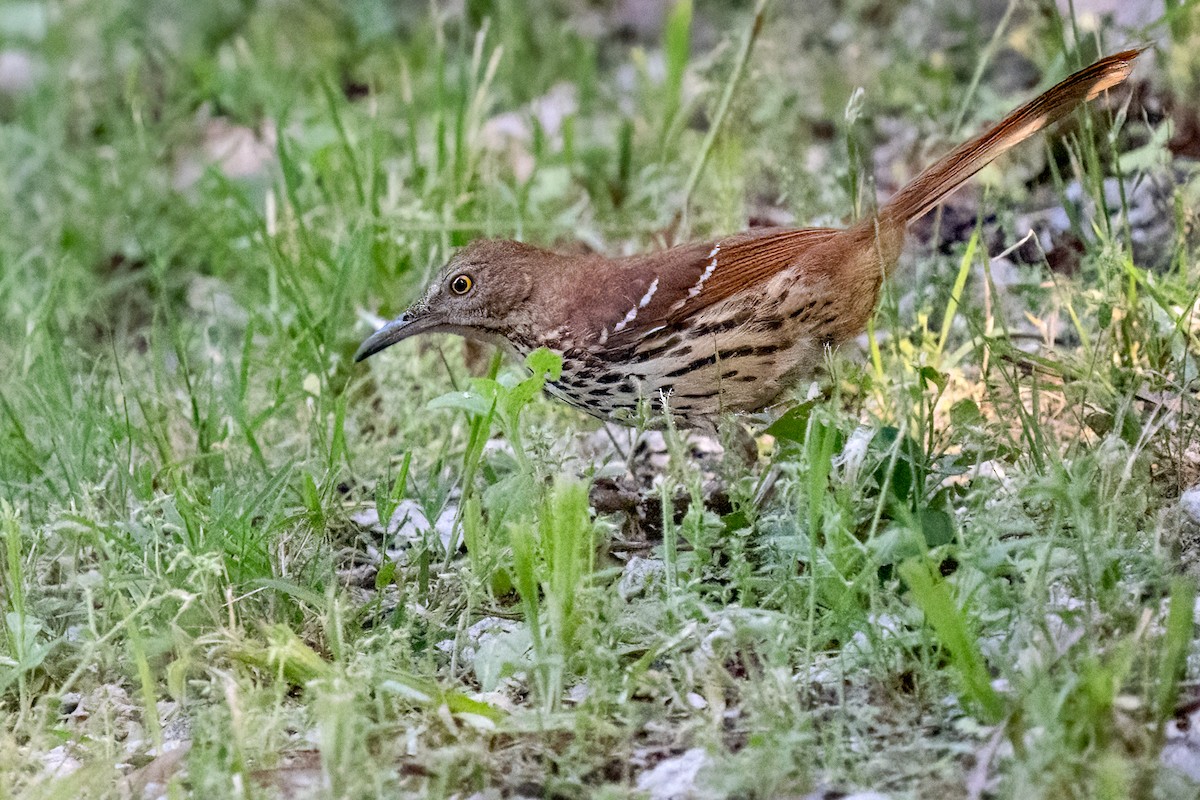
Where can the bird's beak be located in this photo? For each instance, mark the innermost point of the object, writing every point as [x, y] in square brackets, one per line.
[400, 328]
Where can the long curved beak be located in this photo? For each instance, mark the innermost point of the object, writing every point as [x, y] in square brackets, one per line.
[400, 328]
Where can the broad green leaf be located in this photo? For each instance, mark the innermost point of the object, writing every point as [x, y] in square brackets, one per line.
[477, 401]
[793, 425]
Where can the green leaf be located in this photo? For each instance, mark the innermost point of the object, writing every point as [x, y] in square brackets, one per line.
[514, 400]
[965, 413]
[285, 655]
[298, 592]
[1177, 640]
[427, 693]
[937, 526]
[568, 547]
[385, 575]
[932, 595]
[897, 543]
[387, 500]
[1150, 156]
[793, 425]
[500, 655]
[459, 703]
[735, 521]
[899, 481]
[477, 401]
[312, 501]
[523, 539]
[960, 281]
[513, 497]
[545, 363]
[930, 375]
[677, 38]
[823, 441]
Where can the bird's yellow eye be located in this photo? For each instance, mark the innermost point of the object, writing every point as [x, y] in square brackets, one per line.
[461, 284]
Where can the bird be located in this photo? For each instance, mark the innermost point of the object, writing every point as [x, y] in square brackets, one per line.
[702, 329]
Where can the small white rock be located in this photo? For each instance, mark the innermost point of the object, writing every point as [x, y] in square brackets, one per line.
[674, 778]
[59, 762]
[18, 72]
[409, 524]
[1189, 501]
[639, 575]
[1183, 759]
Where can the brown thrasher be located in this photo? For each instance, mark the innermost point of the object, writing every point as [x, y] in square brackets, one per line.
[709, 327]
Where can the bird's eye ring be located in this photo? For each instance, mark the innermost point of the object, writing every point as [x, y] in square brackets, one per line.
[461, 284]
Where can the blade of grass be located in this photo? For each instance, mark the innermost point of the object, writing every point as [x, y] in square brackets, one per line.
[731, 85]
[960, 282]
[1177, 640]
[932, 595]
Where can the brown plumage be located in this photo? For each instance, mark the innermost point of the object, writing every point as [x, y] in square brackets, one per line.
[715, 326]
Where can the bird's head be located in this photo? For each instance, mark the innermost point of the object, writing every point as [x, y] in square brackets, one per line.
[480, 294]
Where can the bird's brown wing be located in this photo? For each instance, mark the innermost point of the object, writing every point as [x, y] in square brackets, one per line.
[668, 287]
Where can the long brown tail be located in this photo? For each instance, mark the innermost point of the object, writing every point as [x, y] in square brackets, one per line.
[932, 186]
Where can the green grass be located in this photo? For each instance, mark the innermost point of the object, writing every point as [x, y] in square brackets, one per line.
[958, 559]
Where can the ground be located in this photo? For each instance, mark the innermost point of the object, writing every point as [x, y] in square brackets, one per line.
[961, 562]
